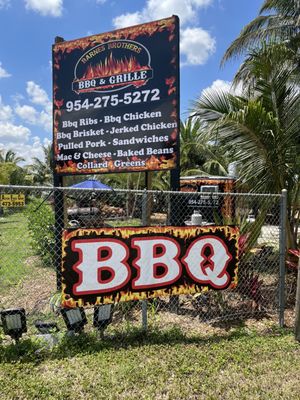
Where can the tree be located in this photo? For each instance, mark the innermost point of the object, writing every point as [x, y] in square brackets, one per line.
[278, 22]
[199, 154]
[42, 169]
[12, 174]
[262, 126]
[10, 157]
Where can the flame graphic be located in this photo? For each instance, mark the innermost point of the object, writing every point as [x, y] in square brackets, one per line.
[130, 33]
[229, 232]
[111, 66]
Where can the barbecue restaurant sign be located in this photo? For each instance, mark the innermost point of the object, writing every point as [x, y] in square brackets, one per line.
[108, 265]
[101, 69]
[115, 100]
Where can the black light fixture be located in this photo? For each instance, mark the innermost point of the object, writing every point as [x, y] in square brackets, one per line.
[46, 327]
[74, 318]
[14, 322]
[103, 316]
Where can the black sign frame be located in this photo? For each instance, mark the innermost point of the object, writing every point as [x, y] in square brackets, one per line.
[148, 138]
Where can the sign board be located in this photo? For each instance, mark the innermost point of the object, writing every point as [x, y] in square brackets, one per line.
[107, 265]
[12, 200]
[206, 197]
[116, 100]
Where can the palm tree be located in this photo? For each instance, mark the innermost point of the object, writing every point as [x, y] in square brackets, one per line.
[199, 154]
[10, 157]
[278, 22]
[262, 126]
[264, 64]
[10, 172]
[42, 169]
[190, 156]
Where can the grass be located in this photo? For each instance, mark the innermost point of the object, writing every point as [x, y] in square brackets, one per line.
[123, 222]
[24, 282]
[15, 249]
[242, 364]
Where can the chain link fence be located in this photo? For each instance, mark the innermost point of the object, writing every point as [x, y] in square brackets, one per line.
[31, 251]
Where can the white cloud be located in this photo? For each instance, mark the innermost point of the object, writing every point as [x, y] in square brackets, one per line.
[224, 86]
[18, 137]
[45, 120]
[185, 9]
[17, 133]
[6, 112]
[3, 72]
[196, 46]
[219, 84]
[202, 3]
[156, 9]
[32, 115]
[53, 8]
[100, 1]
[27, 113]
[128, 19]
[4, 4]
[36, 94]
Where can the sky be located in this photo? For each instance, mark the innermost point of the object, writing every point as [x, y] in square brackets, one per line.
[28, 29]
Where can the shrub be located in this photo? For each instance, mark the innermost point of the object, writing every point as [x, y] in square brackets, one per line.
[41, 226]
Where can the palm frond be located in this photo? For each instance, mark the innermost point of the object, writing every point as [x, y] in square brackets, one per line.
[274, 28]
[285, 7]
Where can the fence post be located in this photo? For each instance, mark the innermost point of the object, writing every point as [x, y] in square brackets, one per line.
[1, 209]
[282, 255]
[58, 227]
[58, 205]
[297, 308]
[144, 222]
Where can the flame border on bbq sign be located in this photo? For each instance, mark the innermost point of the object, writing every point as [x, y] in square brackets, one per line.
[184, 236]
[140, 67]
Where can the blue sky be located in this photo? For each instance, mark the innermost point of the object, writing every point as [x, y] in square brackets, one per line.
[28, 29]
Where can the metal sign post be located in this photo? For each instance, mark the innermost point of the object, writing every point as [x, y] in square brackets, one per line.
[58, 211]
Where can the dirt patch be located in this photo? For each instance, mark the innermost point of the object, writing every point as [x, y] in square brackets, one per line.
[261, 323]
[34, 292]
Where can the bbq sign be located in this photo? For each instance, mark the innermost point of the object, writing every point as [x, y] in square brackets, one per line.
[103, 69]
[115, 100]
[108, 265]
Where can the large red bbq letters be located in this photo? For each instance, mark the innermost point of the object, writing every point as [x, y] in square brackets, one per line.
[157, 263]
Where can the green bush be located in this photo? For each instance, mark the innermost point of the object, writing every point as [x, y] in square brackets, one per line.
[41, 226]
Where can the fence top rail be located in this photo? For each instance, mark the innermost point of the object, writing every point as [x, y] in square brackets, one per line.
[71, 189]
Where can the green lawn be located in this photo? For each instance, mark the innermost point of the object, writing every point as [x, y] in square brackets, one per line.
[236, 364]
[15, 249]
[241, 364]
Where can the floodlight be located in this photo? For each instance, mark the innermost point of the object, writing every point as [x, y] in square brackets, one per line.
[46, 327]
[74, 318]
[14, 322]
[103, 316]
